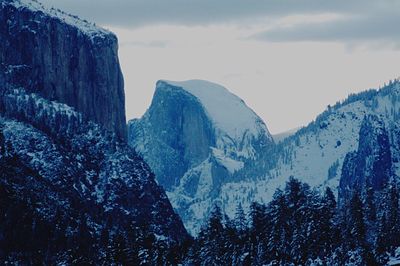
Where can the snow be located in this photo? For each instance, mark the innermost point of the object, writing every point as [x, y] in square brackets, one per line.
[395, 260]
[229, 113]
[51, 107]
[230, 164]
[84, 26]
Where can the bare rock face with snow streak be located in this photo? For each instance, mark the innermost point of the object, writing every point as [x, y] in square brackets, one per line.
[197, 136]
[63, 58]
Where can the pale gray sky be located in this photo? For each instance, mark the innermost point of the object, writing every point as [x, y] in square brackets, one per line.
[287, 59]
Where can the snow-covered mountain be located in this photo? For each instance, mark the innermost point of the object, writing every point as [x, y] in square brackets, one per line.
[313, 154]
[197, 136]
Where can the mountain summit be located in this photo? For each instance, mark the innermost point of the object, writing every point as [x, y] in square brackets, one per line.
[196, 136]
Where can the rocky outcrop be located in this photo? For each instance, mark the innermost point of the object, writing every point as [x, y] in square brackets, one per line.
[371, 166]
[63, 58]
[197, 136]
[181, 134]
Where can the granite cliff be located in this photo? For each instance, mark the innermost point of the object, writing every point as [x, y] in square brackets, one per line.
[63, 58]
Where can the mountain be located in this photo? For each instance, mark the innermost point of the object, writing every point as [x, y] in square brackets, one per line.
[71, 190]
[65, 59]
[313, 154]
[197, 136]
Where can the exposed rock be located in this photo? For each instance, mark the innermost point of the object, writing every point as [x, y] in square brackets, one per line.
[371, 165]
[65, 59]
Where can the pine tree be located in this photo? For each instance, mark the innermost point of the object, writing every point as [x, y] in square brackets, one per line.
[212, 239]
[356, 225]
[240, 220]
[259, 232]
[391, 213]
[381, 243]
[329, 236]
[277, 240]
[370, 210]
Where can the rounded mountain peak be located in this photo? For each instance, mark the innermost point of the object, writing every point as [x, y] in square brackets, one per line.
[228, 112]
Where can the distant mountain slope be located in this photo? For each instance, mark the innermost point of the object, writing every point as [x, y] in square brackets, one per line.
[315, 154]
[197, 136]
[283, 135]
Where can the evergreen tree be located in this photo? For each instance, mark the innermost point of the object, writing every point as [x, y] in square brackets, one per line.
[356, 225]
[259, 232]
[370, 210]
[240, 220]
[390, 222]
[329, 235]
[277, 240]
[211, 239]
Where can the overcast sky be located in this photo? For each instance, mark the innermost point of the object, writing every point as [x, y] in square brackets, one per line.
[287, 59]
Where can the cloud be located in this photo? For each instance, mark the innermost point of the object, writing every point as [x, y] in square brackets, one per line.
[359, 21]
[136, 13]
[375, 25]
[373, 28]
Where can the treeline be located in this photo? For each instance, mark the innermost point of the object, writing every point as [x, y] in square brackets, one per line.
[55, 119]
[301, 226]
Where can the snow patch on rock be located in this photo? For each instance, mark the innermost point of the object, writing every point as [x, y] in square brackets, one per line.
[84, 26]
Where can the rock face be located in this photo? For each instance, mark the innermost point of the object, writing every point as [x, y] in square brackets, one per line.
[65, 59]
[181, 134]
[197, 136]
[371, 165]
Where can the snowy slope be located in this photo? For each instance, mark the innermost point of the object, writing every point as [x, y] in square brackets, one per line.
[315, 153]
